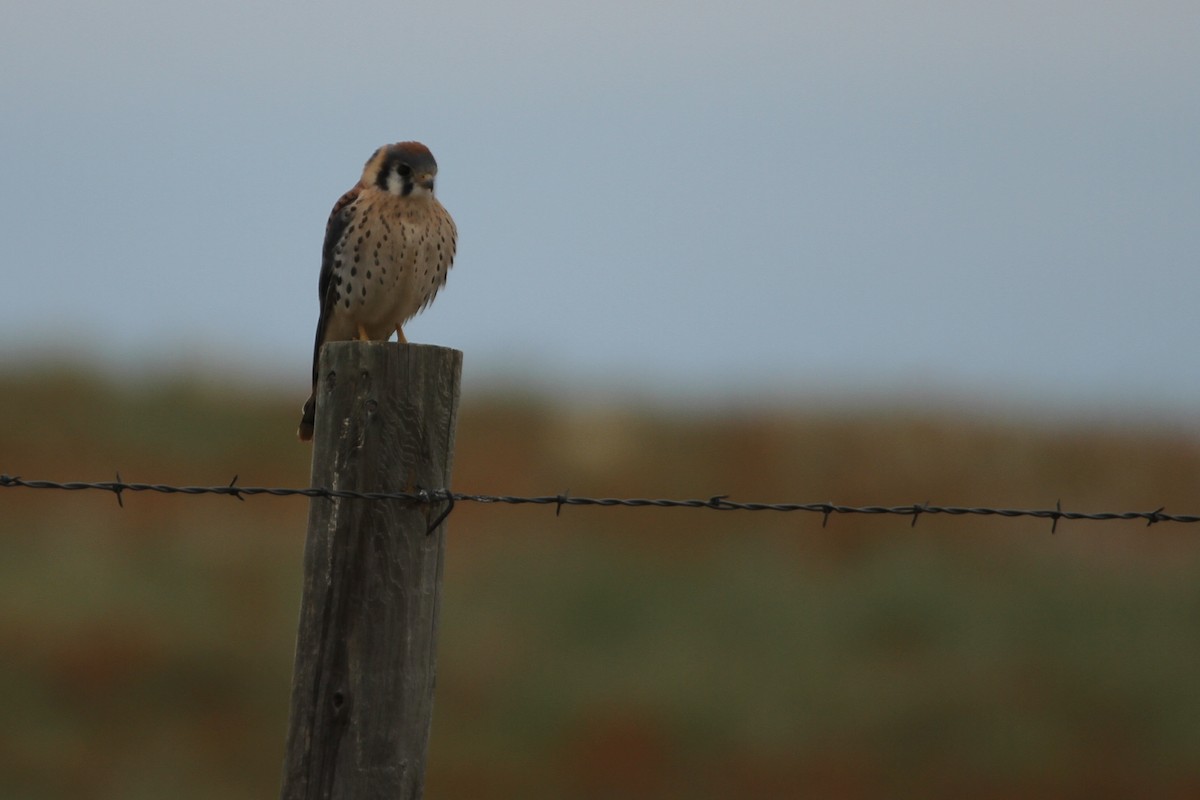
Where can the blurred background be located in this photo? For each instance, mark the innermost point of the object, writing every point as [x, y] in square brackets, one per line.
[865, 252]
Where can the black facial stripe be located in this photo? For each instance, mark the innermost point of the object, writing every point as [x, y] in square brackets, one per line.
[381, 180]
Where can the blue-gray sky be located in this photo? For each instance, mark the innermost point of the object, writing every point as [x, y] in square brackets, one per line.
[685, 199]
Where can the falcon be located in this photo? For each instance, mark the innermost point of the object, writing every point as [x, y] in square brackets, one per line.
[388, 246]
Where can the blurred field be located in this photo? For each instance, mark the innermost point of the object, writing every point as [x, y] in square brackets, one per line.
[147, 651]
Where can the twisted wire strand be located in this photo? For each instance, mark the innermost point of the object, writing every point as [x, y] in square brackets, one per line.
[717, 503]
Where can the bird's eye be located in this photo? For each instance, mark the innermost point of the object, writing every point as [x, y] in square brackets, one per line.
[404, 170]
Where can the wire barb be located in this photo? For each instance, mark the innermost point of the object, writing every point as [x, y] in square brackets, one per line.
[449, 498]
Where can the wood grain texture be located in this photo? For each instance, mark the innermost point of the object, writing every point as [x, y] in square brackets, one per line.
[362, 694]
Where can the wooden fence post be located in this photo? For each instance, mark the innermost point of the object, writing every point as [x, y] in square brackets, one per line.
[362, 691]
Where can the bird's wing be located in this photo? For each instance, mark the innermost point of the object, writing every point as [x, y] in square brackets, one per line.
[335, 229]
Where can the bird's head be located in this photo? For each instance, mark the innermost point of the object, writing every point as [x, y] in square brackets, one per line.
[406, 169]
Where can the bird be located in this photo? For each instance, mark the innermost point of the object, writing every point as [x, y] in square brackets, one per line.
[389, 245]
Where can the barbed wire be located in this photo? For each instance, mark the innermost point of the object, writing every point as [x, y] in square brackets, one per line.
[716, 503]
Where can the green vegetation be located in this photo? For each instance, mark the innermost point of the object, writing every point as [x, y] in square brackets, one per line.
[147, 651]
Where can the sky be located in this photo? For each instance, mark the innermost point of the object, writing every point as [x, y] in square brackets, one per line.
[693, 201]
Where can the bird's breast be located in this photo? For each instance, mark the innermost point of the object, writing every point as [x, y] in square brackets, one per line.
[389, 264]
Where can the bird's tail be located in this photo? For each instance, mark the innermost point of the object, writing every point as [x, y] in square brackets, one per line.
[308, 417]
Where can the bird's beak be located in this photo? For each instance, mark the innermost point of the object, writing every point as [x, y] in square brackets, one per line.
[426, 179]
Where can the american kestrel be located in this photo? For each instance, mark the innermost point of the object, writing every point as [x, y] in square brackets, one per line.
[388, 246]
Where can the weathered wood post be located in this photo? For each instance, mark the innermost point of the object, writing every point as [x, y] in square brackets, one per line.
[362, 691]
